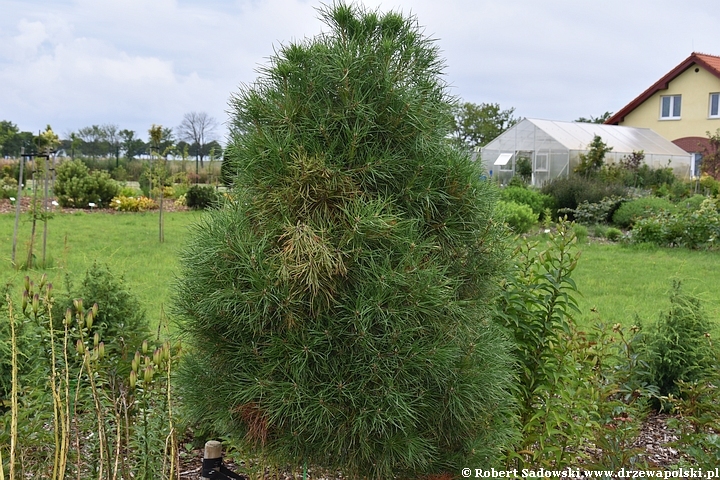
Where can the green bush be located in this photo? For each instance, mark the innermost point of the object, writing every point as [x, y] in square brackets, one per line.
[201, 197]
[570, 192]
[120, 321]
[338, 313]
[632, 210]
[8, 187]
[613, 234]
[594, 213]
[685, 228]
[693, 203]
[537, 201]
[679, 347]
[581, 232]
[520, 218]
[77, 187]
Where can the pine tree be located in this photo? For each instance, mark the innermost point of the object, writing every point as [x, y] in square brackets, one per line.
[339, 311]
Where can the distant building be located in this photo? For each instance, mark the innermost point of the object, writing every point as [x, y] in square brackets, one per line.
[554, 148]
[682, 106]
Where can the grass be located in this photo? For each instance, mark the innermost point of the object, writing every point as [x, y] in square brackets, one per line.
[126, 242]
[623, 283]
[619, 282]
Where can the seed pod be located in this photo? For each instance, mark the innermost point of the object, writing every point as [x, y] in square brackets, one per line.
[43, 279]
[80, 347]
[95, 309]
[145, 346]
[146, 361]
[101, 350]
[166, 350]
[78, 304]
[27, 283]
[68, 317]
[89, 319]
[133, 378]
[25, 300]
[96, 339]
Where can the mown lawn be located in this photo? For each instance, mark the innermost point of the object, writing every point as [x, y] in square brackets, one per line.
[619, 282]
[627, 282]
[126, 242]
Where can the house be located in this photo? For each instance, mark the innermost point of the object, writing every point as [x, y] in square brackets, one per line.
[682, 106]
[554, 148]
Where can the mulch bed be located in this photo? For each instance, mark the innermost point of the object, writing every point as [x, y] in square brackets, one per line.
[6, 206]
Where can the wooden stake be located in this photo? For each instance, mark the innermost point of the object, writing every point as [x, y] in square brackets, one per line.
[213, 450]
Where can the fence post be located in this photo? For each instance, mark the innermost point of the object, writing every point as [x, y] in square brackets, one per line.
[213, 451]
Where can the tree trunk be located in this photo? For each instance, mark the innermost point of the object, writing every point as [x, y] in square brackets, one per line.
[17, 206]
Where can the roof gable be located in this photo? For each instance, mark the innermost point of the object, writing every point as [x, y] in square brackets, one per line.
[711, 63]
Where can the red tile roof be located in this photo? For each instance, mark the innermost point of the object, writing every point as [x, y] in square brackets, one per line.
[711, 63]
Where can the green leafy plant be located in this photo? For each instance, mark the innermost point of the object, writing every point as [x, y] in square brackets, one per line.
[630, 211]
[570, 192]
[537, 201]
[520, 218]
[679, 347]
[133, 204]
[685, 228]
[77, 187]
[594, 213]
[613, 234]
[201, 197]
[338, 311]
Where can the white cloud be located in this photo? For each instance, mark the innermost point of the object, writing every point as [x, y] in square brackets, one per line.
[75, 63]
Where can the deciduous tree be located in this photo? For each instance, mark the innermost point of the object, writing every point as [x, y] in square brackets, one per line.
[198, 129]
[477, 125]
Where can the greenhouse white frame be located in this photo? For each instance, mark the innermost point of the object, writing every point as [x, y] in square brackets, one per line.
[554, 149]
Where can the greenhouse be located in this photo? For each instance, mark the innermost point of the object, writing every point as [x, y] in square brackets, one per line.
[553, 149]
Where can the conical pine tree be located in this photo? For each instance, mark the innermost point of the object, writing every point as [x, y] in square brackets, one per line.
[338, 311]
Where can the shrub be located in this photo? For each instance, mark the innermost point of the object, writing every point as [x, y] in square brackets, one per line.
[133, 204]
[630, 211]
[581, 232]
[201, 197]
[693, 203]
[686, 228]
[520, 218]
[537, 201]
[594, 213]
[613, 234]
[120, 322]
[679, 346]
[8, 187]
[570, 192]
[709, 184]
[76, 186]
[338, 312]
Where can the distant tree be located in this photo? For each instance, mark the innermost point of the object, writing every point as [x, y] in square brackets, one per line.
[8, 131]
[12, 139]
[198, 130]
[601, 119]
[478, 125]
[130, 144]
[711, 156]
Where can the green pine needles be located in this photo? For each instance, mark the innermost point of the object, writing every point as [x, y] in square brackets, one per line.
[338, 310]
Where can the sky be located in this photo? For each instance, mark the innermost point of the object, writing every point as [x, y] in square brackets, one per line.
[135, 63]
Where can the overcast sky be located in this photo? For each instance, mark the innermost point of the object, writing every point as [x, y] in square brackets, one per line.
[132, 63]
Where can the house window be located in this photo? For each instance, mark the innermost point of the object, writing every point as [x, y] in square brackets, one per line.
[670, 107]
[541, 162]
[715, 105]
